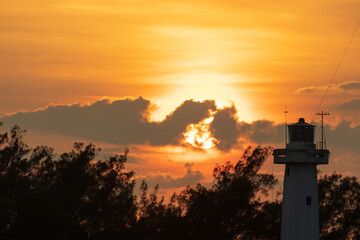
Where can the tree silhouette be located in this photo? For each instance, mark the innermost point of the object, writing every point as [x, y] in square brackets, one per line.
[339, 207]
[72, 197]
[75, 196]
[232, 207]
[157, 220]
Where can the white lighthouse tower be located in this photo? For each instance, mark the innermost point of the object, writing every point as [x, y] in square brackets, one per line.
[300, 219]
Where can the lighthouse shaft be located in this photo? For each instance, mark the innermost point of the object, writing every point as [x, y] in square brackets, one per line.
[299, 218]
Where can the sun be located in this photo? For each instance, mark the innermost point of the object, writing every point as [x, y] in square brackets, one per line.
[211, 86]
[199, 136]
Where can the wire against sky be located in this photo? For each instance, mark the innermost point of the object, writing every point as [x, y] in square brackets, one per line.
[337, 68]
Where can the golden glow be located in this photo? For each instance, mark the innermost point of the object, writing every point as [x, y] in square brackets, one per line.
[199, 136]
[231, 51]
[214, 86]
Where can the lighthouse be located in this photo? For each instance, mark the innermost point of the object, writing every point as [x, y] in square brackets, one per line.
[300, 218]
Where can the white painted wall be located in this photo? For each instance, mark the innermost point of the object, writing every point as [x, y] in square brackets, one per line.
[300, 221]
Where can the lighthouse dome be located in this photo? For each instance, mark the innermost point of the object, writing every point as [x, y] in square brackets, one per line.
[301, 131]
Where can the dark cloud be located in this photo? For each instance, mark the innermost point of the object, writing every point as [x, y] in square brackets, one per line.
[126, 122]
[171, 129]
[343, 136]
[265, 131]
[350, 105]
[225, 128]
[350, 85]
[167, 180]
[119, 122]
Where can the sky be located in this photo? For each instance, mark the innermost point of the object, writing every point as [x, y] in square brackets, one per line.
[185, 85]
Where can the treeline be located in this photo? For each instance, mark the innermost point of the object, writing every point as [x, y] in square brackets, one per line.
[72, 196]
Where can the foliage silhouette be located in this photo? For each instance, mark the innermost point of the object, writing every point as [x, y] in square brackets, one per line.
[74, 196]
[339, 207]
[231, 208]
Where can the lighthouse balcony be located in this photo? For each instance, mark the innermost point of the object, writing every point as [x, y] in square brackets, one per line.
[315, 156]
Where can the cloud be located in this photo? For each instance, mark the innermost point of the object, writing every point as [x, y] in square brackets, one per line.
[350, 105]
[167, 180]
[119, 122]
[344, 86]
[126, 122]
[225, 129]
[189, 112]
[350, 85]
[310, 89]
[343, 136]
[265, 131]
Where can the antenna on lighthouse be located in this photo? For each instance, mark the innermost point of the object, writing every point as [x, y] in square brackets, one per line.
[286, 112]
[322, 114]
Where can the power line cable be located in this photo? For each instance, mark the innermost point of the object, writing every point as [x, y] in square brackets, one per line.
[337, 67]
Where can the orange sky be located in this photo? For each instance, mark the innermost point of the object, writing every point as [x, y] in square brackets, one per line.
[256, 55]
[78, 51]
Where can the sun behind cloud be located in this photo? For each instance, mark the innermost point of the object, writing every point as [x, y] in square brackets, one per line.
[199, 136]
[203, 86]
